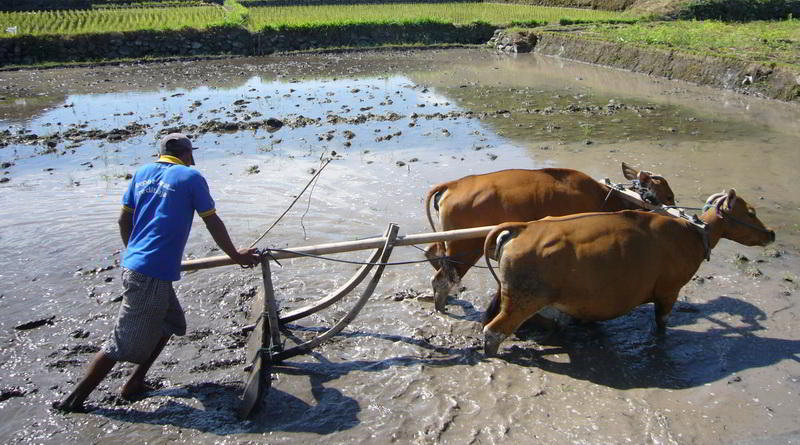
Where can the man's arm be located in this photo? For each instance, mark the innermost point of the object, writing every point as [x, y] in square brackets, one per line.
[125, 222]
[243, 257]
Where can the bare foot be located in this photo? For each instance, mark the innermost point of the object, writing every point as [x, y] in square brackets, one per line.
[133, 391]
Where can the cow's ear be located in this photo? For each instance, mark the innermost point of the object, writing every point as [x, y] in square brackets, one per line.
[644, 177]
[629, 172]
[731, 199]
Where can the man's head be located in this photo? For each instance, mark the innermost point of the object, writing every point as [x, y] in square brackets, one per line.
[178, 145]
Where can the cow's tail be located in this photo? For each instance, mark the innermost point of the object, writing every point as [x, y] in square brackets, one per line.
[434, 194]
[493, 245]
[493, 249]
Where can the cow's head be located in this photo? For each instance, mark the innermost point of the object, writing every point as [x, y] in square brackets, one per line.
[652, 188]
[739, 219]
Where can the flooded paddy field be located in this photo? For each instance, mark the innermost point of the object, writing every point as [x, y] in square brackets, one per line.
[396, 123]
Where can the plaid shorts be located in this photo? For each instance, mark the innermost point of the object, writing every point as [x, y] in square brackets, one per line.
[149, 311]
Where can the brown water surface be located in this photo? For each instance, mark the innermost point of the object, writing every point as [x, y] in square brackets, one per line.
[725, 372]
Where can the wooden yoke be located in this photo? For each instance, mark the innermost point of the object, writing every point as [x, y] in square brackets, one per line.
[633, 197]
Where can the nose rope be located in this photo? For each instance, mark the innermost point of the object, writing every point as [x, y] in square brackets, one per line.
[708, 206]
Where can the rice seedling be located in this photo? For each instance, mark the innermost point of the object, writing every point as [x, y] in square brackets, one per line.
[456, 13]
[66, 22]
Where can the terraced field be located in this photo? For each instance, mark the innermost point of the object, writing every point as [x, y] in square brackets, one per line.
[71, 22]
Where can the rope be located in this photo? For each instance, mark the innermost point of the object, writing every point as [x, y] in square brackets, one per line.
[293, 202]
[684, 208]
[361, 263]
[449, 258]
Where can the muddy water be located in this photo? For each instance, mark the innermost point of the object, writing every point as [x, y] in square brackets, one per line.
[726, 372]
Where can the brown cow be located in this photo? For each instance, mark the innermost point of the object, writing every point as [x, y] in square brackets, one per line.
[598, 266]
[519, 195]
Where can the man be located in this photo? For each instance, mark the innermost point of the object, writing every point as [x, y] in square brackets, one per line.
[155, 221]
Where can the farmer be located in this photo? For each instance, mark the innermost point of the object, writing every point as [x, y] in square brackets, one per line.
[155, 221]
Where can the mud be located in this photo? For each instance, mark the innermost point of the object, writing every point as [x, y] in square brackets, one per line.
[396, 123]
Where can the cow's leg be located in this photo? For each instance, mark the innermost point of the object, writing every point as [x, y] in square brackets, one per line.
[513, 312]
[492, 309]
[663, 305]
[461, 257]
[548, 320]
[434, 253]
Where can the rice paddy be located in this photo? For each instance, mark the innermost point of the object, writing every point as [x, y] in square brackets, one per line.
[456, 13]
[70, 22]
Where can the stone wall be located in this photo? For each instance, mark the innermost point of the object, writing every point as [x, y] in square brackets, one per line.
[26, 50]
[512, 42]
[41, 5]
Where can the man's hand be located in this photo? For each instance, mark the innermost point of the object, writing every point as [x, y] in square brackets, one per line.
[242, 257]
[246, 257]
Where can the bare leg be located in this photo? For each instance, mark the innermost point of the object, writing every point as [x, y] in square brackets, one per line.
[136, 384]
[98, 370]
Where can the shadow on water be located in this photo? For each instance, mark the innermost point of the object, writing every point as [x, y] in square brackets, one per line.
[280, 411]
[623, 353]
[218, 402]
[627, 352]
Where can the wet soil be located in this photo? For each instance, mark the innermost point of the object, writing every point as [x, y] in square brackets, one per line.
[726, 371]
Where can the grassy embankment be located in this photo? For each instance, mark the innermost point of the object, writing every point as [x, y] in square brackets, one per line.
[761, 41]
[762, 31]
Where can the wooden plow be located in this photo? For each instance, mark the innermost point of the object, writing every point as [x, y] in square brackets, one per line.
[264, 344]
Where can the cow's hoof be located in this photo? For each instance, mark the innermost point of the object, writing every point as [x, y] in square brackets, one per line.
[440, 302]
[491, 342]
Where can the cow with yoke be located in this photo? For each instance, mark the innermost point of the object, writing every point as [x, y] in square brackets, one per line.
[598, 266]
[519, 195]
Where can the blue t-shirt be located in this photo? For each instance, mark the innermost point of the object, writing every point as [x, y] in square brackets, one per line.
[163, 197]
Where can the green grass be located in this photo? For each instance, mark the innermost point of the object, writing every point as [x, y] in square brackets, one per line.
[457, 13]
[773, 41]
[68, 22]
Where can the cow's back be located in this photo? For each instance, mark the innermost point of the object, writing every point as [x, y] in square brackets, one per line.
[518, 195]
